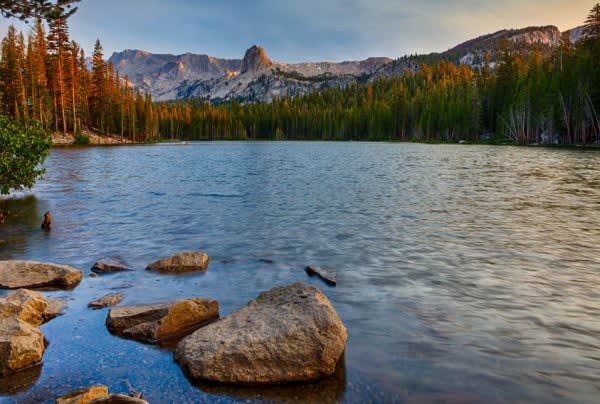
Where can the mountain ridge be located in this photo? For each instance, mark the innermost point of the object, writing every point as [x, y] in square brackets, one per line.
[256, 77]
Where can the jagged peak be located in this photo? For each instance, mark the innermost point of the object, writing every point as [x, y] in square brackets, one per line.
[255, 59]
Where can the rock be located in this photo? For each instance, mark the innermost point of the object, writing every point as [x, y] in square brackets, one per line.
[30, 306]
[328, 276]
[185, 316]
[110, 264]
[55, 308]
[181, 263]
[47, 222]
[25, 305]
[108, 300]
[159, 322]
[22, 345]
[120, 399]
[288, 334]
[15, 274]
[98, 394]
[93, 275]
[84, 396]
[122, 318]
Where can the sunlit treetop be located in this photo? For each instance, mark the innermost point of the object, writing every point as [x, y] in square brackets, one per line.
[592, 24]
[44, 9]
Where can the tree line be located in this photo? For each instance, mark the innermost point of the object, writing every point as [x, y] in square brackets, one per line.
[45, 77]
[523, 98]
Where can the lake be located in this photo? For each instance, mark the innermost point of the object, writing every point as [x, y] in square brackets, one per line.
[465, 273]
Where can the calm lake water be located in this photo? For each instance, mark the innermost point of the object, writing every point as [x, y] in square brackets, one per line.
[465, 273]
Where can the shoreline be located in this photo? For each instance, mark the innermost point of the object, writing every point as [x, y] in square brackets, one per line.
[90, 139]
[61, 140]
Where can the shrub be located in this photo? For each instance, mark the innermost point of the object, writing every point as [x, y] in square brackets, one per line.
[22, 149]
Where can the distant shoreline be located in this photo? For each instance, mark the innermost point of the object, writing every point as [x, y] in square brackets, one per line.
[99, 140]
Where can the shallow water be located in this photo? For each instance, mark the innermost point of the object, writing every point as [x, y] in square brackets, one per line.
[465, 273]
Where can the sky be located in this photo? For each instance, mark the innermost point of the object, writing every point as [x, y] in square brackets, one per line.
[306, 30]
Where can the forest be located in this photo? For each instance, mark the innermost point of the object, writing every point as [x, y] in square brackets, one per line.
[523, 98]
[45, 77]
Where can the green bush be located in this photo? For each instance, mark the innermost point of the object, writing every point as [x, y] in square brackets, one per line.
[22, 150]
[80, 138]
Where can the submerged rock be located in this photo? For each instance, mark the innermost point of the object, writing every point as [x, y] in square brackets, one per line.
[159, 322]
[288, 334]
[15, 274]
[108, 300]
[84, 396]
[181, 263]
[20, 381]
[327, 275]
[110, 264]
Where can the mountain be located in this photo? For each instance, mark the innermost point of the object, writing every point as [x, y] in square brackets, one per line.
[159, 75]
[253, 78]
[474, 52]
[256, 77]
[576, 34]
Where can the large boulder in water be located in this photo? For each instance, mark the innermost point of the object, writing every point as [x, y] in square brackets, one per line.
[288, 334]
[22, 345]
[159, 322]
[15, 274]
[181, 263]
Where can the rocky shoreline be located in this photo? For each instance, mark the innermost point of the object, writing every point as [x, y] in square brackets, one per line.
[68, 139]
[287, 334]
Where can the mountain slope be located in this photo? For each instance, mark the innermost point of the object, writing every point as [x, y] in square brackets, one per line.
[255, 77]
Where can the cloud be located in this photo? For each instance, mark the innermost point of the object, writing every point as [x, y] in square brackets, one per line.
[310, 29]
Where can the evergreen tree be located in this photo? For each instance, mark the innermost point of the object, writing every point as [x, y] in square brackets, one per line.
[592, 23]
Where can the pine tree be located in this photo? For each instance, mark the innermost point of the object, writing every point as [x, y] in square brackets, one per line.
[58, 41]
[98, 88]
[592, 23]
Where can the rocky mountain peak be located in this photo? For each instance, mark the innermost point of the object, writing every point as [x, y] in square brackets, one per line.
[255, 59]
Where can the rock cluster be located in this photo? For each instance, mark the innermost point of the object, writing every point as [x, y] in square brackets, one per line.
[159, 322]
[17, 274]
[22, 344]
[288, 334]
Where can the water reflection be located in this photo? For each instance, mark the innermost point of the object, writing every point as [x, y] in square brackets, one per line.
[328, 390]
[20, 381]
[21, 224]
